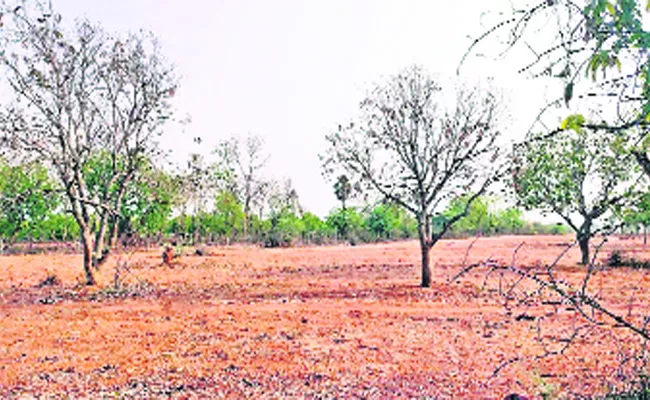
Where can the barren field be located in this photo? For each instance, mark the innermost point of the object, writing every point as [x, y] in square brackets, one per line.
[315, 322]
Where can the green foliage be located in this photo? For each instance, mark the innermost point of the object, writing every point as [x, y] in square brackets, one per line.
[313, 228]
[98, 171]
[578, 174]
[573, 122]
[149, 202]
[478, 218]
[285, 228]
[482, 219]
[389, 221]
[575, 171]
[229, 216]
[311, 223]
[153, 196]
[509, 220]
[638, 212]
[346, 223]
[27, 198]
[60, 227]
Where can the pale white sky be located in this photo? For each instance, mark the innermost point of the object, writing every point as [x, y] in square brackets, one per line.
[292, 70]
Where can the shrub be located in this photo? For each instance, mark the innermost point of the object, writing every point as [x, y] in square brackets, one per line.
[617, 260]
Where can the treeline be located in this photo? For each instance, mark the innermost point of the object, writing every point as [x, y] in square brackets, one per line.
[162, 207]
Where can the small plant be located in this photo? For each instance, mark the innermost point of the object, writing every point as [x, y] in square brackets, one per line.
[120, 288]
[50, 280]
[546, 390]
[640, 391]
[615, 259]
[125, 290]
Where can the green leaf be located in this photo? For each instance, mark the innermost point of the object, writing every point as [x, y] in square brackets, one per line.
[618, 64]
[574, 122]
[611, 9]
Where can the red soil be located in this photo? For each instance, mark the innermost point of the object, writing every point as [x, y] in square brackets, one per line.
[314, 322]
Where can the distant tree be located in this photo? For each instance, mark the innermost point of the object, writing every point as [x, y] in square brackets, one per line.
[312, 226]
[389, 221]
[78, 92]
[345, 223]
[61, 227]
[229, 215]
[478, 219]
[578, 174]
[240, 164]
[198, 186]
[342, 189]
[416, 145]
[285, 228]
[283, 197]
[637, 213]
[509, 220]
[28, 197]
[150, 201]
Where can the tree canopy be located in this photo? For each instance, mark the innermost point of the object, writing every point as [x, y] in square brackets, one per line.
[418, 144]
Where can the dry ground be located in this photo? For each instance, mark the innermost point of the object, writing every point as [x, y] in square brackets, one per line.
[317, 322]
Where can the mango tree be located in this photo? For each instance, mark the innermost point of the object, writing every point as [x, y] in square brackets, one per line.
[78, 91]
[593, 51]
[418, 145]
[579, 174]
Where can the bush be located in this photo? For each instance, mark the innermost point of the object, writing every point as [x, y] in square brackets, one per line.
[50, 280]
[345, 223]
[617, 260]
[389, 222]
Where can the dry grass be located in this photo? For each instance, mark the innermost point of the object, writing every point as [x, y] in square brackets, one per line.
[304, 322]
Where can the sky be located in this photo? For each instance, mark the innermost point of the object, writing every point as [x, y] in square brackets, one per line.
[291, 71]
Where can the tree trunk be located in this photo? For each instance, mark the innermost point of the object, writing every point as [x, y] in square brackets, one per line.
[98, 251]
[426, 268]
[424, 233]
[583, 241]
[103, 249]
[115, 230]
[645, 235]
[86, 242]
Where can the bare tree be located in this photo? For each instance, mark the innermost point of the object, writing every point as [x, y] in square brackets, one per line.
[592, 311]
[198, 186]
[83, 95]
[282, 196]
[241, 162]
[419, 146]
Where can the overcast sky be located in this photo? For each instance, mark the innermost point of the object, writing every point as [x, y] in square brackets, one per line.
[291, 71]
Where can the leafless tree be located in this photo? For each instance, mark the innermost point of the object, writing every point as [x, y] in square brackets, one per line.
[419, 146]
[284, 197]
[198, 188]
[241, 161]
[548, 286]
[83, 95]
